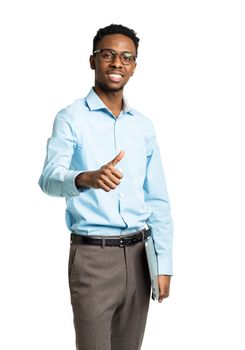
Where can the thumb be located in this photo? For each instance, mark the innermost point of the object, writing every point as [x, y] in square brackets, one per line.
[117, 158]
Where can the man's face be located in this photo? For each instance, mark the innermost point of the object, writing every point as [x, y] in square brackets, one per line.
[113, 76]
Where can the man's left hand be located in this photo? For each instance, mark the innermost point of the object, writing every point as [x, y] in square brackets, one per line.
[164, 286]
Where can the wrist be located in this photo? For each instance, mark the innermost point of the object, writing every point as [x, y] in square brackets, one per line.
[81, 180]
[161, 275]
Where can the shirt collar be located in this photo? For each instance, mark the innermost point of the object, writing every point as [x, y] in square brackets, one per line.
[95, 103]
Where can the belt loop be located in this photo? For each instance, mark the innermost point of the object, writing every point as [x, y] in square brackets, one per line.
[103, 242]
[143, 235]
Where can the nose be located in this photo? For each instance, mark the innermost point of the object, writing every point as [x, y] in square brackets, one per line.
[116, 62]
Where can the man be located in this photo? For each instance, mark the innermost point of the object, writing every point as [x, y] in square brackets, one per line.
[104, 158]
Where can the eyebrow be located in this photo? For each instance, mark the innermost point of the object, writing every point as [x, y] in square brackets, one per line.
[106, 48]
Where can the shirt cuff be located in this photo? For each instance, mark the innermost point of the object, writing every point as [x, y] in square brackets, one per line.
[71, 188]
[165, 265]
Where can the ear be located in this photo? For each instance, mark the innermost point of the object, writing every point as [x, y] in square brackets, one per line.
[92, 62]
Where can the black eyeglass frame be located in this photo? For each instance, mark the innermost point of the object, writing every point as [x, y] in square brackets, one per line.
[114, 54]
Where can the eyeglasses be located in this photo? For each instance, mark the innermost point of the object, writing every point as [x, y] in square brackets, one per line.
[109, 56]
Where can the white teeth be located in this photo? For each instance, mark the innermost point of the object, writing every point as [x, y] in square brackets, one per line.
[115, 75]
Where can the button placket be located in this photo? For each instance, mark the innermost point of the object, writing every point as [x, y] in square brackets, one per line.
[118, 145]
[118, 148]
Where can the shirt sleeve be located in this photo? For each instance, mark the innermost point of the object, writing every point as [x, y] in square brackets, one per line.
[157, 200]
[57, 179]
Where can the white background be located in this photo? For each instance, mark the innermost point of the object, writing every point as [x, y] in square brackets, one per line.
[190, 81]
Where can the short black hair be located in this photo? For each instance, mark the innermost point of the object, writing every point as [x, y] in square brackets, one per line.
[116, 29]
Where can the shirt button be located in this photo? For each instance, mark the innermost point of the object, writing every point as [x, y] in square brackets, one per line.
[119, 147]
[121, 194]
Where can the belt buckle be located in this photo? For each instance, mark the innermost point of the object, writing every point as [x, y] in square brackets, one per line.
[122, 242]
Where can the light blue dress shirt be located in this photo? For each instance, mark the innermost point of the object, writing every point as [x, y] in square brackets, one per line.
[86, 135]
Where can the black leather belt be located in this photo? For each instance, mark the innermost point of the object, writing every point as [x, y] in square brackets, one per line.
[112, 241]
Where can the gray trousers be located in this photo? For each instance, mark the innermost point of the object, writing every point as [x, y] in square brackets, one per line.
[110, 294]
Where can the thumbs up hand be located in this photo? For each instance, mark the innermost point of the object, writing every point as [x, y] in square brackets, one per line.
[106, 178]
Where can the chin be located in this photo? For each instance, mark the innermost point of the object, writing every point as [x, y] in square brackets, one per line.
[108, 88]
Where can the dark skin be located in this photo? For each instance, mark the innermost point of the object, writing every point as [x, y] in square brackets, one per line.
[109, 90]
[110, 79]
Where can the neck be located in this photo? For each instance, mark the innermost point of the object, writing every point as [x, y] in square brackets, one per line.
[112, 99]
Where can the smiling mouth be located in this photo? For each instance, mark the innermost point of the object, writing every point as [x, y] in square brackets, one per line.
[115, 77]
